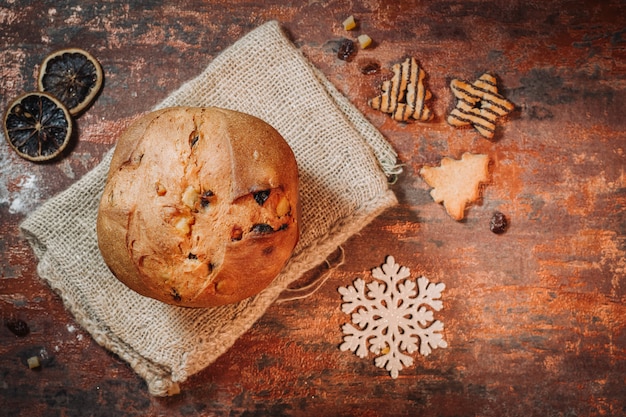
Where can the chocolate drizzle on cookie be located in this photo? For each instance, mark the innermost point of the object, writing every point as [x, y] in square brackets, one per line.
[479, 105]
[405, 95]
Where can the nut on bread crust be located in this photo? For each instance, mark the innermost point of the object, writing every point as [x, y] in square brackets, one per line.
[200, 207]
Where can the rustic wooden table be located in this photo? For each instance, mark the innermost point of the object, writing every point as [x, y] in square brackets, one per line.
[535, 318]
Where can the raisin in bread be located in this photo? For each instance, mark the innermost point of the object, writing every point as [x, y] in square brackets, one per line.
[200, 207]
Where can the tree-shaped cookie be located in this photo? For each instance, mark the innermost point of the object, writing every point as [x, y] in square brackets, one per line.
[456, 183]
[405, 95]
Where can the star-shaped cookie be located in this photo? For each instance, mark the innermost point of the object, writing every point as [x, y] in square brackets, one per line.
[405, 95]
[479, 105]
[456, 183]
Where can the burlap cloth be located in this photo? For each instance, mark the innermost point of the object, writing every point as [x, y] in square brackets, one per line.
[343, 162]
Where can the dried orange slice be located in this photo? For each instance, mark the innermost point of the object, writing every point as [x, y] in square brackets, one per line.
[73, 76]
[37, 126]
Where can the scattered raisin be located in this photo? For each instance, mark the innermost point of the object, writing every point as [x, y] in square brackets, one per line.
[192, 256]
[236, 233]
[18, 327]
[369, 68]
[261, 196]
[262, 228]
[205, 198]
[498, 223]
[346, 49]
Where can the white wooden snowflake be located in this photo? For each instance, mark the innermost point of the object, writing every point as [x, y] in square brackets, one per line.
[392, 317]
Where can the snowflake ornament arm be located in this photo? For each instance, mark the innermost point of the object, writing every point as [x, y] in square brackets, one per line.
[430, 293]
[391, 317]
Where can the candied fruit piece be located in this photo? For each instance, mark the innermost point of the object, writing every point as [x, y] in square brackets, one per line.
[364, 41]
[183, 224]
[190, 197]
[283, 207]
[33, 362]
[349, 23]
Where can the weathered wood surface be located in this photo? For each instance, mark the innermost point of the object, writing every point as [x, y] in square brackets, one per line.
[535, 319]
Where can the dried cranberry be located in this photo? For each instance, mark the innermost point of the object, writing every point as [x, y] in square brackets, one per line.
[346, 49]
[498, 223]
[18, 327]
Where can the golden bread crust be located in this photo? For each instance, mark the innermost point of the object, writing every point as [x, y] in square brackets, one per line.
[201, 206]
